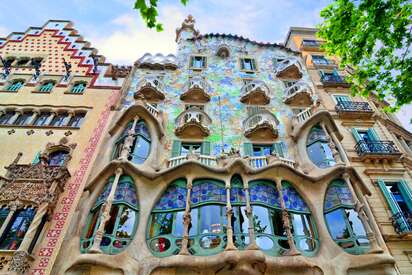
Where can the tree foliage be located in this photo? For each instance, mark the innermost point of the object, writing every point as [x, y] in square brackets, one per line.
[374, 38]
[148, 11]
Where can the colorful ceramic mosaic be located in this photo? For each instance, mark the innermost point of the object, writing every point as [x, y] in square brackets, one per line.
[338, 194]
[173, 198]
[207, 191]
[264, 192]
[226, 80]
[237, 195]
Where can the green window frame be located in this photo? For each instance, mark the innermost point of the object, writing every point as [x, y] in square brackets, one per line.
[15, 86]
[340, 214]
[142, 143]
[180, 148]
[240, 219]
[317, 145]
[118, 231]
[248, 64]
[78, 88]
[47, 86]
[198, 62]
[342, 98]
[270, 234]
[400, 203]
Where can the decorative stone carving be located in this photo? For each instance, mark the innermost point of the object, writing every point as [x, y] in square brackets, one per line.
[4, 261]
[20, 262]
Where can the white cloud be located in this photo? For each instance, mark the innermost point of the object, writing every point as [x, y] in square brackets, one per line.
[405, 116]
[132, 38]
[4, 31]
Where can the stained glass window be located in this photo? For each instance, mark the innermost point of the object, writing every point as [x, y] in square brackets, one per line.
[264, 192]
[293, 201]
[344, 224]
[207, 191]
[173, 198]
[121, 226]
[57, 158]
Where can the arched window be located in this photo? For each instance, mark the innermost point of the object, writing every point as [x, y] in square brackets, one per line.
[303, 226]
[17, 228]
[240, 220]
[318, 148]
[140, 149]
[342, 220]
[166, 221]
[57, 158]
[121, 226]
[207, 231]
[270, 232]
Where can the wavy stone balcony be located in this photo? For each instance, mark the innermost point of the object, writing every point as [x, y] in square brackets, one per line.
[351, 109]
[289, 68]
[377, 150]
[151, 88]
[255, 92]
[261, 125]
[299, 93]
[197, 89]
[193, 123]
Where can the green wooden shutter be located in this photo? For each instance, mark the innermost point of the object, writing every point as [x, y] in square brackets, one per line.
[248, 149]
[253, 64]
[204, 61]
[406, 193]
[206, 148]
[393, 205]
[322, 74]
[36, 158]
[279, 148]
[372, 134]
[177, 144]
[356, 134]
[335, 73]
[242, 65]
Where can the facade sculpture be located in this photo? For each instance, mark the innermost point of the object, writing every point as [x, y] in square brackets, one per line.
[230, 157]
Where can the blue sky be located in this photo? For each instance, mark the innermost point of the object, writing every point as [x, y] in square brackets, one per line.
[117, 31]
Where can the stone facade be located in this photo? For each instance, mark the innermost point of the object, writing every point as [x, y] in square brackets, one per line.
[230, 157]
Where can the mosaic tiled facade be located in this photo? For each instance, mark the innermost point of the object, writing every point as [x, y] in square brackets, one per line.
[228, 157]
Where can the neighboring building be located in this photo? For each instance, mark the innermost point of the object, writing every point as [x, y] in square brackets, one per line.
[232, 157]
[56, 95]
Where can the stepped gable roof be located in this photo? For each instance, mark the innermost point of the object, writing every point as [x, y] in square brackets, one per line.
[241, 38]
[157, 61]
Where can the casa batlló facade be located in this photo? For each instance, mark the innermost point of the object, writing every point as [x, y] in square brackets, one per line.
[230, 157]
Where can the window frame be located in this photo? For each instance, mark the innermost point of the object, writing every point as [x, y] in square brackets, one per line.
[192, 62]
[253, 63]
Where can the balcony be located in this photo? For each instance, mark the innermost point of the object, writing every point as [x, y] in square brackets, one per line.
[261, 125]
[193, 123]
[402, 224]
[255, 92]
[288, 68]
[333, 80]
[197, 89]
[299, 93]
[376, 150]
[151, 88]
[203, 159]
[351, 109]
[310, 45]
[324, 64]
[259, 162]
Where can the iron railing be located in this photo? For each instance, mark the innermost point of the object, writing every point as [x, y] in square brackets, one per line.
[401, 223]
[310, 43]
[350, 106]
[385, 147]
[332, 79]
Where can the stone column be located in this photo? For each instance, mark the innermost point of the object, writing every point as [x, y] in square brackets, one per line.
[128, 141]
[13, 206]
[332, 144]
[33, 117]
[105, 216]
[251, 229]
[187, 218]
[50, 118]
[229, 213]
[286, 220]
[14, 117]
[363, 217]
[71, 114]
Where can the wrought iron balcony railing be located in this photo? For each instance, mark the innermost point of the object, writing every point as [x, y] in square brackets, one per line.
[310, 44]
[263, 120]
[381, 147]
[401, 223]
[196, 88]
[351, 106]
[333, 79]
[151, 87]
[255, 92]
[300, 91]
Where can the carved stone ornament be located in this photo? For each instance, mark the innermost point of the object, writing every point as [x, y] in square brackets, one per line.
[20, 262]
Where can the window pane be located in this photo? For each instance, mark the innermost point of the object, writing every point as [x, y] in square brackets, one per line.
[261, 221]
[93, 223]
[179, 225]
[240, 221]
[194, 214]
[161, 224]
[109, 226]
[140, 150]
[277, 223]
[337, 225]
[210, 219]
[355, 222]
[126, 223]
